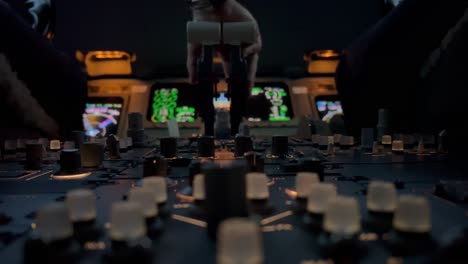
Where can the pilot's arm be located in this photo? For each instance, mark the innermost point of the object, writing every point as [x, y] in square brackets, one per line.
[17, 102]
[226, 11]
[51, 81]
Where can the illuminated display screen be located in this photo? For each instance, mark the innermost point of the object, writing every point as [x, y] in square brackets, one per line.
[278, 95]
[171, 102]
[102, 115]
[328, 107]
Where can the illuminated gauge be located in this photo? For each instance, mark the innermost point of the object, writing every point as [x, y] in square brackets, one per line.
[277, 94]
[101, 117]
[172, 101]
[185, 114]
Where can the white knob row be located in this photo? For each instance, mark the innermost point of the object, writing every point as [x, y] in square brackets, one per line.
[54, 221]
[342, 214]
[411, 213]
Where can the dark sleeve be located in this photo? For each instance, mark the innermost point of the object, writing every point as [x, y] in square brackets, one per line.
[19, 7]
[445, 97]
[54, 79]
[381, 68]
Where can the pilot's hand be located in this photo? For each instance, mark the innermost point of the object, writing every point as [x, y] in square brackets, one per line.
[228, 11]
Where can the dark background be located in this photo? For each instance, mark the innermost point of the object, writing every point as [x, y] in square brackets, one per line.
[155, 29]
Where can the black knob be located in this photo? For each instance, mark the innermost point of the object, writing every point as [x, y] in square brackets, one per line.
[313, 165]
[155, 166]
[168, 147]
[243, 144]
[34, 156]
[383, 126]
[136, 129]
[367, 139]
[113, 146]
[225, 196]
[78, 138]
[206, 146]
[135, 121]
[9, 148]
[255, 161]
[280, 146]
[244, 130]
[70, 161]
[92, 155]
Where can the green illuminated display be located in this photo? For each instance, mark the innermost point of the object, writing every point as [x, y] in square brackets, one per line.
[185, 114]
[256, 91]
[165, 107]
[279, 110]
